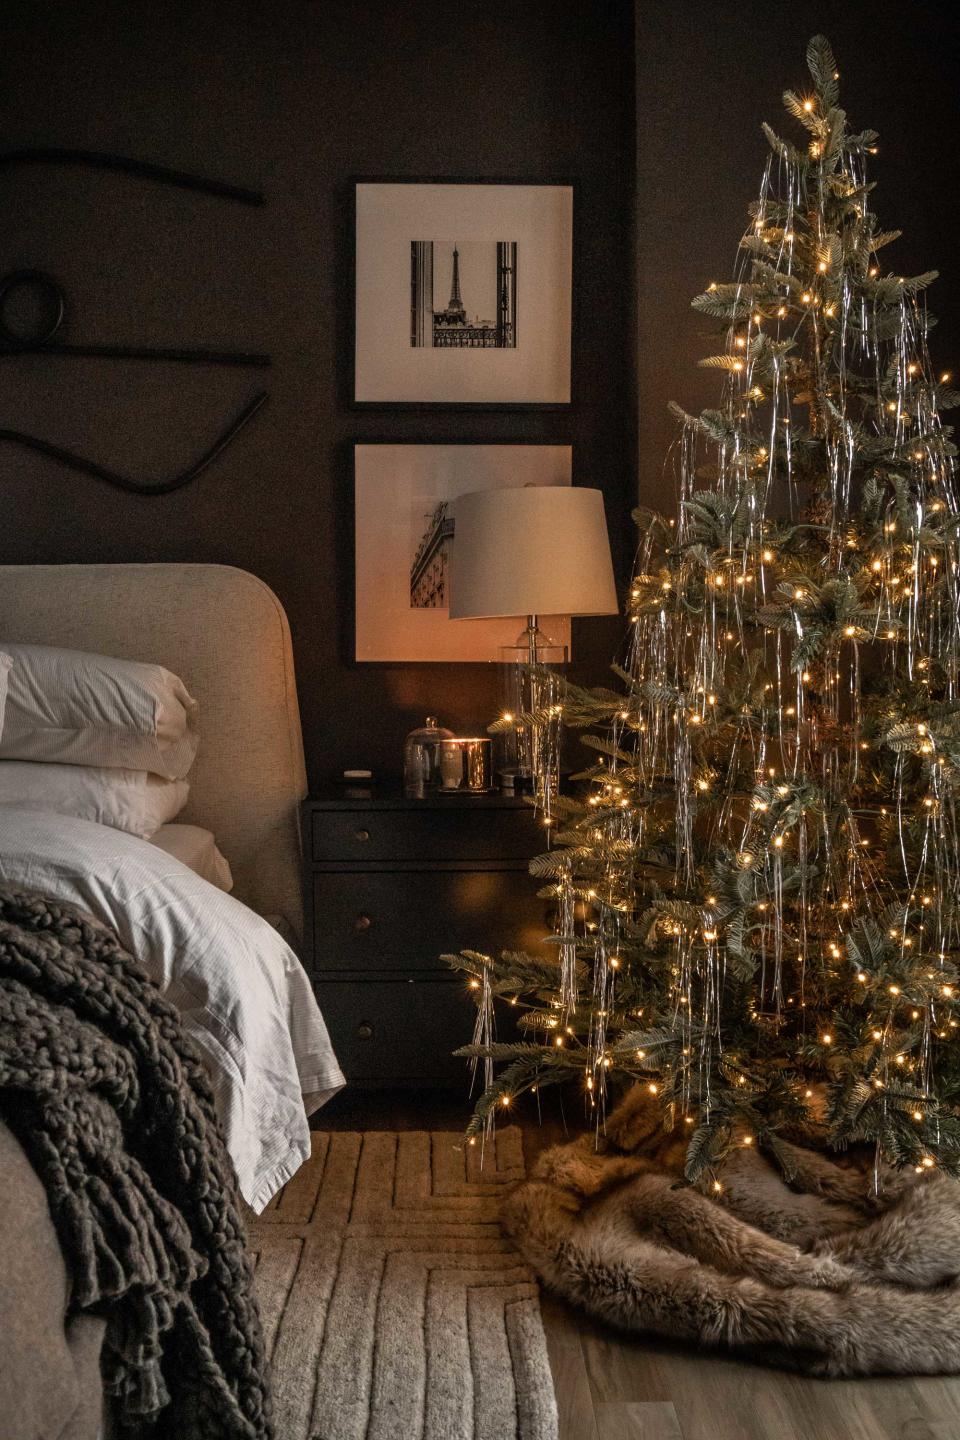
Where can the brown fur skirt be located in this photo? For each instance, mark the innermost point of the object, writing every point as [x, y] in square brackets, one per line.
[821, 1275]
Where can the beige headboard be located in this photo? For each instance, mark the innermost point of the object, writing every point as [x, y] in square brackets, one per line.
[225, 633]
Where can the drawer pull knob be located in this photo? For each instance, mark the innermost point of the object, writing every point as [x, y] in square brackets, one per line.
[364, 1030]
[362, 924]
[361, 835]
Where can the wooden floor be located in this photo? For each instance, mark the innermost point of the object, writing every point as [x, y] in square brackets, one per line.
[610, 1387]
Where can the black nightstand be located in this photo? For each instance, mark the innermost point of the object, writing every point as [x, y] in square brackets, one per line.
[390, 884]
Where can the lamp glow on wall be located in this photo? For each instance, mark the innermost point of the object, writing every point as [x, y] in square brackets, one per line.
[529, 551]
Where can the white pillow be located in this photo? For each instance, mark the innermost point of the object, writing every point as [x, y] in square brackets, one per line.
[75, 708]
[5, 663]
[128, 800]
[197, 849]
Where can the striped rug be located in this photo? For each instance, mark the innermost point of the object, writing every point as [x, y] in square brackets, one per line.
[393, 1307]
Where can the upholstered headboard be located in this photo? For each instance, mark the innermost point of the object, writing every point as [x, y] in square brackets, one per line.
[225, 633]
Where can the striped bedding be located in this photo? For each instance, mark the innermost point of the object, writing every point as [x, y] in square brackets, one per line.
[244, 997]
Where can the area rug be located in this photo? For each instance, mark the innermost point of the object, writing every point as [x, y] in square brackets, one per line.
[393, 1307]
[821, 1273]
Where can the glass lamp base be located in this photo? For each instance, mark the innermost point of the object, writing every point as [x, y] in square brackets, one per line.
[530, 683]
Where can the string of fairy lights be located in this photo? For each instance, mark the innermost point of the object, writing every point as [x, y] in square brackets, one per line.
[766, 864]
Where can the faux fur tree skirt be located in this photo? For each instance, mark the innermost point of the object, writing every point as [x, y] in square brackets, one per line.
[817, 1276]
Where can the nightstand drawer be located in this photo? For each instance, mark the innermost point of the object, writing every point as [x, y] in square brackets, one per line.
[389, 1031]
[433, 835]
[384, 920]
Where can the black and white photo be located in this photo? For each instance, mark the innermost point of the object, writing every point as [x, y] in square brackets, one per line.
[478, 279]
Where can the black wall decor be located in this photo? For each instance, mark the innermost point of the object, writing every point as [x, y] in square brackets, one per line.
[125, 482]
[128, 165]
[48, 310]
[301, 96]
[36, 335]
[53, 305]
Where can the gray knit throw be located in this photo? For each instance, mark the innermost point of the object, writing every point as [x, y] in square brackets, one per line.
[110, 1102]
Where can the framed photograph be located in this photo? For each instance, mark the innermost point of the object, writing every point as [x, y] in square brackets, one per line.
[404, 531]
[463, 293]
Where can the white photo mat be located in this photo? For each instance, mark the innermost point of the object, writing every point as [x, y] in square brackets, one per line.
[393, 216]
[398, 490]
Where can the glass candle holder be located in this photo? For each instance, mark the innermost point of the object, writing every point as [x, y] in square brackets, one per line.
[465, 767]
[421, 759]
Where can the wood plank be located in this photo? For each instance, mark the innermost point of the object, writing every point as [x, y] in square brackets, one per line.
[622, 1367]
[896, 1408]
[814, 1409]
[719, 1398]
[716, 1397]
[879, 1408]
[637, 1420]
[938, 1400]
[575, 1411]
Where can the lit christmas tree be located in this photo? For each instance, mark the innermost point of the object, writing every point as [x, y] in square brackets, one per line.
[758, 890]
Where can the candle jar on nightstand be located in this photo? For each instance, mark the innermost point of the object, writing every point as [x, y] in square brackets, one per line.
[465, 765]
[421, 759]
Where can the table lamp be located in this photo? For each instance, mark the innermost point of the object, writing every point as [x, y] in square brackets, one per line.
[528, 551]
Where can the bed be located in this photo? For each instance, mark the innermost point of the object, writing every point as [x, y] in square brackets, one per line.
[226, 634]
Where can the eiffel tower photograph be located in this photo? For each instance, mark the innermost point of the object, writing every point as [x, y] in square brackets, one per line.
[463, 294]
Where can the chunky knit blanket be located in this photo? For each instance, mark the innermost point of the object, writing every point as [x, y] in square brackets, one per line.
[821, 1274]
[110, 1102]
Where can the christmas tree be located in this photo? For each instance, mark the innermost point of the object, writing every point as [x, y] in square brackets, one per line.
[757, 885]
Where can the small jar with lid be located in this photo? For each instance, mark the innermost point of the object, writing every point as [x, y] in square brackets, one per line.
[421, 759]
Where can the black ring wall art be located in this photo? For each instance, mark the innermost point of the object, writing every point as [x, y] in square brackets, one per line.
[49, 313]
[33, 306]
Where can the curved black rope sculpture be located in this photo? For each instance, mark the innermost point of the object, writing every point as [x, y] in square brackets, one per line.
[124, 482]
[249, 359]
[123, 164]
[41, 341]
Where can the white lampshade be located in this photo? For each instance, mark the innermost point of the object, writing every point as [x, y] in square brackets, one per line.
[530, 550]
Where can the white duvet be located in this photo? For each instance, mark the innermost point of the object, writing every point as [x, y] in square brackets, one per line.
[245, 999]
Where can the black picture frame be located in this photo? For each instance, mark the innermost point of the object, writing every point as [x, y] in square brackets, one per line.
[352, 618]
[422, 405]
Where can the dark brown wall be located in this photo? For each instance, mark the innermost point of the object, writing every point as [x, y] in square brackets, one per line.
[298, 97]
[708, 73]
